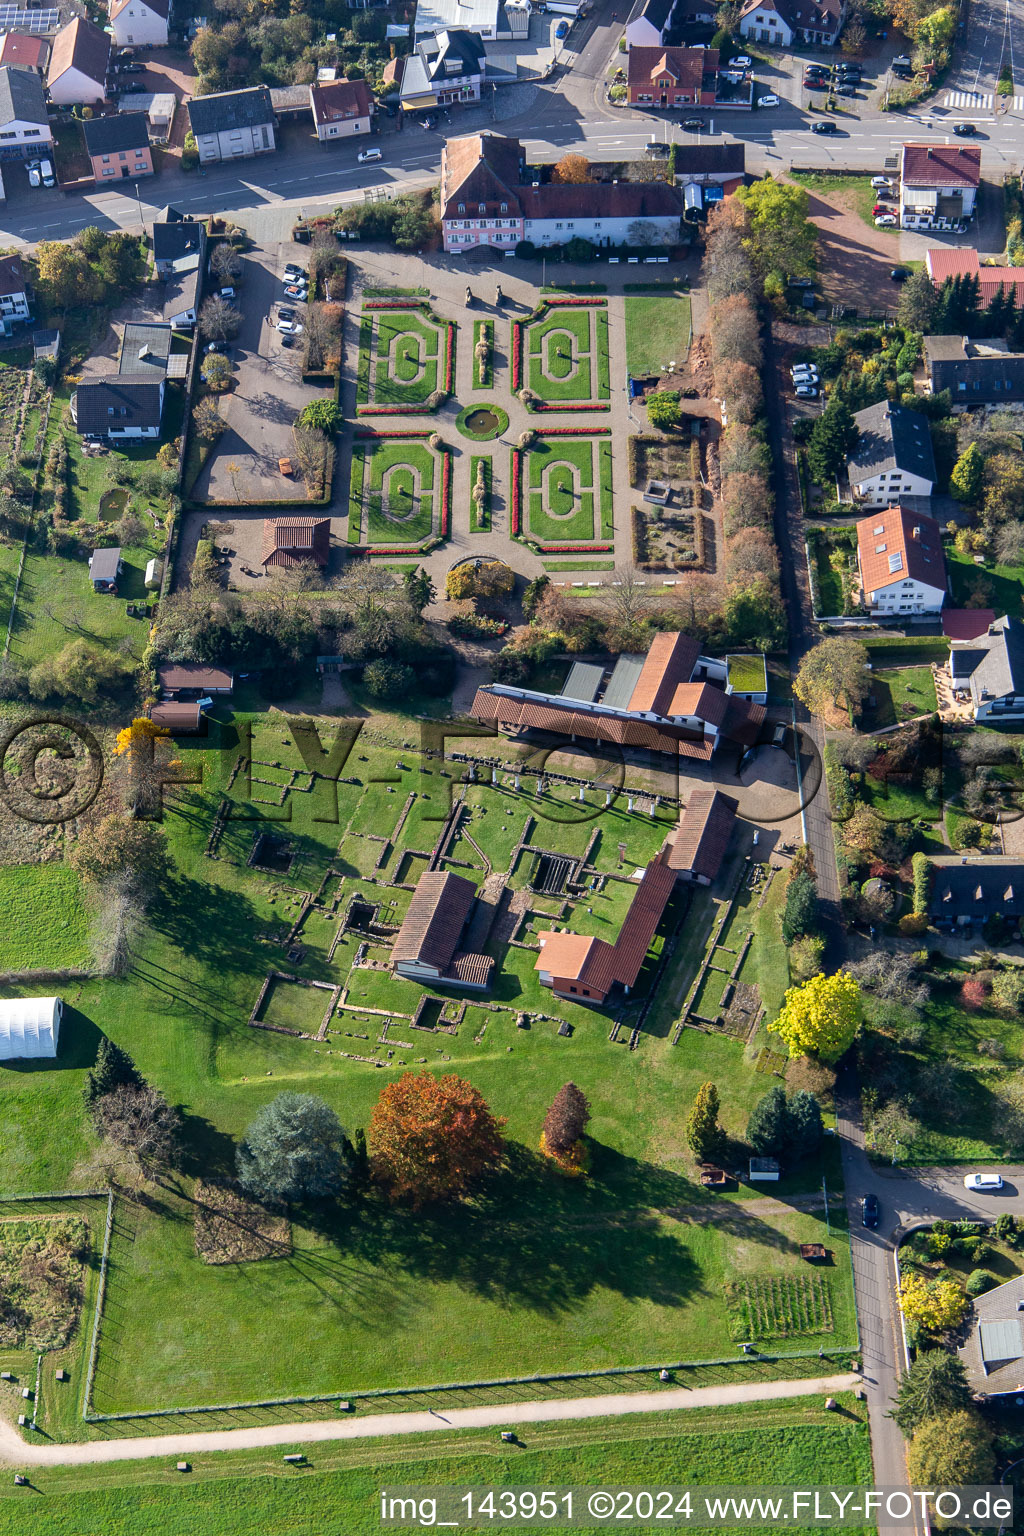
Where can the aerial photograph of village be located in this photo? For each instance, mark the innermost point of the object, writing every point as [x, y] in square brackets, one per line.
[511, 766]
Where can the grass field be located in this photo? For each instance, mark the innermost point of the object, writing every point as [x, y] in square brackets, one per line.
[658, 331]
[901, 692]
[772, 1444]
[408, 362]
[990, 586]
[566, 354]
[853, 192]
[43, 918]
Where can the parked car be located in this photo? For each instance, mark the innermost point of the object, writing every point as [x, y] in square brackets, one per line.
[293, 272]
[297, 291]
[901, 61]
[903, 72]
[870, 1211]
[227, 293]
[881, 181]
[828, 126]
[289, 327]
[35, 176]
[801, 282]
[285, 312]
[693, 124]
[815, 85]
[123, 67]
[885, 221]
[849, 71]
[899, 274]
[741, 62]
[129, 87]
[881, 208]
[369, 154]
[46, 172]
[562, 30]
[806, 391]
[965, 130]
[768, 101]
[217, 346]
[984, 1183]
[804, 371]
[847, 88]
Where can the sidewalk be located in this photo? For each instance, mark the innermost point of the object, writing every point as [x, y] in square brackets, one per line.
[16, 1453]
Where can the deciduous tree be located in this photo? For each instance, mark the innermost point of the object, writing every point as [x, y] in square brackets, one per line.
[703, 1131]
[216, 372]
[137, 1119]
[739, 385]
[833, 676]
[78, 671]
[663, 409]
[295, 1149]
[218, 320]
[120, 846]
[572, 170]
[821, 1017]
[207, 420]
[782, 237]
[953, 1450]
[734, 329]
[225, 262]
[430, 1138]
[65, 277]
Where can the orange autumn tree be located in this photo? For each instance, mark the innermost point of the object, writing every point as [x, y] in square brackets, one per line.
[430, 1137]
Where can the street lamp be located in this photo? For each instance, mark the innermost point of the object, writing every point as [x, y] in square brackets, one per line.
[138, 198]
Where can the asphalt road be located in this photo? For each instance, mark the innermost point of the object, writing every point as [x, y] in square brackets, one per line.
[995, 37]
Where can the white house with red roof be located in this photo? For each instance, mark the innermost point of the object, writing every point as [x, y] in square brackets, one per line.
[901, 564]
[938, 184]
[783, 22]
[341, 108]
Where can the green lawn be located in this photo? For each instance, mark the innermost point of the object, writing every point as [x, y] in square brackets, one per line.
[989, 586]
[658, 331]
[43, 918]
[399, 490]
[900, 693]
[794, 1443]
[536, 1275]
[853, 192]
[57, 604]
[401, 358]
[562, 506]
[562, 348]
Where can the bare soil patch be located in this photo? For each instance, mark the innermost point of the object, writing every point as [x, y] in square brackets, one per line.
[233, 1229]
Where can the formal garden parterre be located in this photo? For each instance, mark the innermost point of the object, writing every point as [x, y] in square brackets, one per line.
[560, 356]
[406, 358]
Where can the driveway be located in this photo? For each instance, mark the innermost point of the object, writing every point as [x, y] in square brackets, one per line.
[267, 396]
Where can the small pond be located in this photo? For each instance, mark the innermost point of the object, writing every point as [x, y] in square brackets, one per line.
[482, 421]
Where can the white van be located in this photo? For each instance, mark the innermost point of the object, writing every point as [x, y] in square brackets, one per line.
[368, 154]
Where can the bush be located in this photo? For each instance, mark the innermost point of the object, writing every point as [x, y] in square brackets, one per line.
[979, 1281]
[388, 679]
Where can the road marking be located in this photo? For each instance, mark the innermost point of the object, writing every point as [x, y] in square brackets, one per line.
[972, 100]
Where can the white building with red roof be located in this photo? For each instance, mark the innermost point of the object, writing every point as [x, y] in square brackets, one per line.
[938, 184]
[901, 564]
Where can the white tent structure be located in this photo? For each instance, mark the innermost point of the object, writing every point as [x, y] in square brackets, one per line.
[29, 1026]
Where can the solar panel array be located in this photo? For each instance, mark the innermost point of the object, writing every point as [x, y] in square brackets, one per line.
[14, 19]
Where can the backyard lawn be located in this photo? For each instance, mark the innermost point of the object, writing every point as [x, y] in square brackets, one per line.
[43, 918]
[989, 586]
[658, 331]
[899, 694]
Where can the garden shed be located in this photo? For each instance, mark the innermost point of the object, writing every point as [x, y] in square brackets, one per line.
[29, 1026]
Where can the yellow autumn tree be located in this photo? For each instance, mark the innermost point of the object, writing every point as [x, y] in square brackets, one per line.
[934, 1305]
[821, 1017]
[147, 767]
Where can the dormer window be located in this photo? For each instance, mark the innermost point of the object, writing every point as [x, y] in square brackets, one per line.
[462, 207]
[481, 207]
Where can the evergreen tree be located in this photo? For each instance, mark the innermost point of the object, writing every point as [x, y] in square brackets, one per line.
[801, 912]
[419, 588]
[918, 303]
[113, 1068]
[935, 1384]
[943, 309]
[703, 1131]
[805, 1127]
[768, 1126]
[833, 436]
[294, 1149]
[967, 478]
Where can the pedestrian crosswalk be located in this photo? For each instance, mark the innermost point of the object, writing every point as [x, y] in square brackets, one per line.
[978, 101]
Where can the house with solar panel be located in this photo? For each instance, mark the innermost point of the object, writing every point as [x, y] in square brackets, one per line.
[901, 563]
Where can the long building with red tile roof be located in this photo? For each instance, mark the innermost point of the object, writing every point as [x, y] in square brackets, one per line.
[587, 968]
[952, 262]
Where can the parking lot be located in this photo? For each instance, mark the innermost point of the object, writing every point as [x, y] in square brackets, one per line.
[267, 395]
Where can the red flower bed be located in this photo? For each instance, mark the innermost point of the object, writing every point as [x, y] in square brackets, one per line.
[544, 405]
[570, 299]
[446, 494]
[576, 431]
[391, 410]
[517, 354]
[449, 372]
[575, 549]
[364, 432]
[515, 508]
[393, 304]
[386, 549]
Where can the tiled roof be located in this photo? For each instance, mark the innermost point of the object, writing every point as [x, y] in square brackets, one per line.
[994, 662]
[21, 97]
[976, 887]
[158, 7]
[941, 165]
[710, 159]
[595, 963]
[602, 199]
[12, 275]
[470, 970]
[123, 130]
[480, 168]
[563, 954]
[686, 66]
[963, 262]
[339, 100]
[966, 623]
[119, 401]
[703, 834]
[171, 241]
[175, 716]
[891, 437]
[670, 661]
[657, 12]
[193, 674]
[82, 46]
[700, 701]
[220, 113]
[433, 924]
[895, 545]
[22, 51]
[103, 565]
[509, 714]
[290, 540]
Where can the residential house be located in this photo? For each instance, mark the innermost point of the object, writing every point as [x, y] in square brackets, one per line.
[966, 889]
[938, 184]
[585, 969]
[893, 458]
[145, 350]
[105, 566]
[78, 64]
[296, 541]
[901, 564]
[989, 671]
[963, 261]
[179, 244]
[121, 407]
[442, 69]
[139, 23]
[341, 109]
[487, 18]
[816, 23]
[992, 1354]
[233, 125]
[23, 50]
[672, 700]
[672, 77]
[648, 24]
[118, 147]
[717, 169]
[24, 125]
[183, 680]
[487, 199]
[698, 845]
[427, 947]
[974, 372]
[14, 308]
